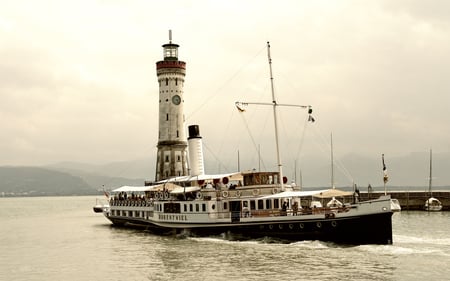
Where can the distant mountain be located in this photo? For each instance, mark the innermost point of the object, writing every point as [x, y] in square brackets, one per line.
[35, 181]
[108, 176]
[134, 169]
[71, 178]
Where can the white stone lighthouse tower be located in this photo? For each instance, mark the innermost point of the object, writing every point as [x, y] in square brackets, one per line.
[172, 144]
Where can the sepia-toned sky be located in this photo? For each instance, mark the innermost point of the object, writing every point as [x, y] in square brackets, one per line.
[78, 79]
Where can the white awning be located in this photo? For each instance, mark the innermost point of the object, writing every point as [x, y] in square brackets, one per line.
[181, 189]
[325, 193]
[158, 187]
[231, 177]
[333, 193]
[127, 188]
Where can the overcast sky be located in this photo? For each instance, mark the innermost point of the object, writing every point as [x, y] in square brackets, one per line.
[78, 79]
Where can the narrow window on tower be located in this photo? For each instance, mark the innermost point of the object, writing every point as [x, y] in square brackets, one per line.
[178, 158]
[176, 81]
[167, 81]
[178, 134]
[167, 117]
[167, 158]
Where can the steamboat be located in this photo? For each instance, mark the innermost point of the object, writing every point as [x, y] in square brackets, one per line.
[241, 205]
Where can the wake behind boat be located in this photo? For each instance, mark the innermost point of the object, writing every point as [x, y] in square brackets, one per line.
[241, 204]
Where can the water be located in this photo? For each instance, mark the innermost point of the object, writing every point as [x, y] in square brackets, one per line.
[61, 238]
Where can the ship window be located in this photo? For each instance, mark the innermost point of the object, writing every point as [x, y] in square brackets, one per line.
[252, 205]
[225, 205]
[185, 207]
[197, 208]
[268, 204]
[172, 208]
[204, 207]
[167, 158]
[191, 208]
[260, 204]
[276, 204]
[178, 158]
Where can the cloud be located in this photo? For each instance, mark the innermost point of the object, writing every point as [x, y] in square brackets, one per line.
[78, 81]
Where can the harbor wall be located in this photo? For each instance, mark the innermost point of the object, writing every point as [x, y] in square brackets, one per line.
[412, 200]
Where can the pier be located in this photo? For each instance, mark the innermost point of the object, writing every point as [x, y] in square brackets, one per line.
[412, 200]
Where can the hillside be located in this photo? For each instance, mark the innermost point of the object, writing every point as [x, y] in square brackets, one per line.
[35, 181]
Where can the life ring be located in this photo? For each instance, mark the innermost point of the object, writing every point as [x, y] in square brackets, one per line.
[270, 226]
[285, 179]
[199, 195]
[225, 193]
[274, 190]
[333, 223]
[159, 195]
[225, 180]
[301, 225]
[238, 193]
[166, 195]
[255, 191]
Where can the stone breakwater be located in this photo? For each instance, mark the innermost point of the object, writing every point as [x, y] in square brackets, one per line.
[412, 200]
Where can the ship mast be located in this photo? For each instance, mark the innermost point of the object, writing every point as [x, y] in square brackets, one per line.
[332, 164]
[429, 179]
[274, 105]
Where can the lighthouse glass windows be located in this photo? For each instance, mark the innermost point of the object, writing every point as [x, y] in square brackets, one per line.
[171, 51]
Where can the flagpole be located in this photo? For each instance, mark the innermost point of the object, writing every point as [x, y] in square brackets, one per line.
[385, 176]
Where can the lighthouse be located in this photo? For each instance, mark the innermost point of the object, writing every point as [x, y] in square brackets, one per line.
[172, 143]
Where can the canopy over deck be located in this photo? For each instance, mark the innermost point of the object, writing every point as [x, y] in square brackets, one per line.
[181, 189]
[325, 193]
[159, 187]
[231, 177]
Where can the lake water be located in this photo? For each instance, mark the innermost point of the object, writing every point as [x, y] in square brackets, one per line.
[61, 238]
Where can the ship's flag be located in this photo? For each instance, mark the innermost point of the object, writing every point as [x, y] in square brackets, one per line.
[385, 175]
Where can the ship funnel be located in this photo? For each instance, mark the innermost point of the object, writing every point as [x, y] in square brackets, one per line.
[195, 151]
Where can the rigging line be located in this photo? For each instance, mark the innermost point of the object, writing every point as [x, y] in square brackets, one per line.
[326, 150]
[226, 130]
[215, 157]
[295, 136]
[302, 139]
[252, 138]
[223, 85]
